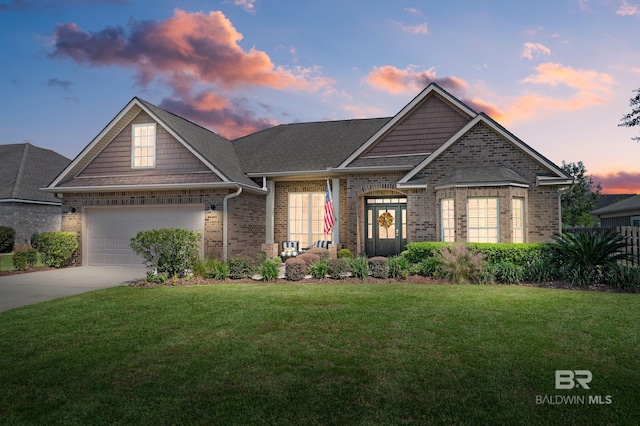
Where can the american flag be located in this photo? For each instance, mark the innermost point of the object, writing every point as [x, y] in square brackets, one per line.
[329, 218]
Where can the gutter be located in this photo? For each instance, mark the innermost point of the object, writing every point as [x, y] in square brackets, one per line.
[225, 225]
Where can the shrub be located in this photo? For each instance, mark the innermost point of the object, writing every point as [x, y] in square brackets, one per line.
[34, 240]
[517, 253]
[584, 257]
[345, 253]
[213, 269]
[24, 256]
[322, 253]
[309, 258]
[241, 267]
[157, 278]
[169, 250]
[378, 267]
[398, 267]
[623, 277]
[318, 270]
[7, 239]
[359, 267]
[270, 270]
[416, 252]
[56, 248]
[508, 272]
[428, 267]
[295, 269]
[338, 268]
[459, 264]
[541, 269]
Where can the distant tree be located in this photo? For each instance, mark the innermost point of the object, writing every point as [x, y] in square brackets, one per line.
[578, 201]
[633, 118]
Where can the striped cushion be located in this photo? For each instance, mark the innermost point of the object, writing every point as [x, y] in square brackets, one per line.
[322, 244]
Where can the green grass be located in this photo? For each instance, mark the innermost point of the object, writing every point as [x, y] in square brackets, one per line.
[319, 354]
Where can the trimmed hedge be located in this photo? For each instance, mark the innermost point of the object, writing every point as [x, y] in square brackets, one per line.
[494, 253]
[56, 248]
[170, 250]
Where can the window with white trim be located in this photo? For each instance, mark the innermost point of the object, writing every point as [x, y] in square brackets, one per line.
[306, 217]
[143, 146]
[447, 220]
[482, 217]
[517, 219]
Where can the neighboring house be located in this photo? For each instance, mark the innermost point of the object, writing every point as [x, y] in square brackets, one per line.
[622, 213]
[438, 168]
[24, 169]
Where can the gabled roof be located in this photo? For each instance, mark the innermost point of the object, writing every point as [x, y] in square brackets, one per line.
[214, 151]
[431, 89]
[628, 204]
[303, 147]
[25, 169]
[556, 176]
[481, 176]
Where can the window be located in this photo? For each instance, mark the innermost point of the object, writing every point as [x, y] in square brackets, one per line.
[517, 218]
[306, 217]
[483, 220]
[143, 146]
[447, 220]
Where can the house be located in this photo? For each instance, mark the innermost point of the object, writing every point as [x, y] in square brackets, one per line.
[437, 170]
[24, 169]
[625, 212]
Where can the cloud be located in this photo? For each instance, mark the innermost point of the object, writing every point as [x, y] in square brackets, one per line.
[199, 47]
[619, 182]
[588, 83]
[247, 5]
[626, 9]
[584, 4]
[413, 10]
[408, 80]
[531, 48]
[412, 29]
[55, 82]
[231, 118]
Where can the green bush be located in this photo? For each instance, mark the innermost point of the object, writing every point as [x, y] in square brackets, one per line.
[459, 264]
[7, 239]
[338, 268]
[359, 267]
[417, 252]
[508, 272]
[318, 270]
[212, 269]
[241, 267]
[295, 269]
[583, 258]
[169, 250]
[322, 253]
[428, 267]
[541, 269]
[378, 267]
[623, 277]
[157, 278]
[24, 256]
[345, 253]
[56, 248]
[517, 253]
[270, 270]
[398, 267]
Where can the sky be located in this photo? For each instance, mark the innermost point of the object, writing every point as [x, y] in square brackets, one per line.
[558, 74]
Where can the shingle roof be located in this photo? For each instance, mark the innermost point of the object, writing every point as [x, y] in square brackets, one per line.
[304, 146]
[631, 203]
[26, 168]
[481, 175]
[216, 149]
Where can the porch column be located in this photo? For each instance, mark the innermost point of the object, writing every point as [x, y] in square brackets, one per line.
[335, 195]
[270, 223]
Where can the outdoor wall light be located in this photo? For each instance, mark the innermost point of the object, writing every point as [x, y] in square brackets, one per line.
[72, 210]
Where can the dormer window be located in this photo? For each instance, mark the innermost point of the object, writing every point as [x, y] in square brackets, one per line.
[143, 146]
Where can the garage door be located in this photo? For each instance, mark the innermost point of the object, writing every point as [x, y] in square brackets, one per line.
[110, 230]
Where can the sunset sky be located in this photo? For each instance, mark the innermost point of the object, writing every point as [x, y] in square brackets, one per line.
[557, 73]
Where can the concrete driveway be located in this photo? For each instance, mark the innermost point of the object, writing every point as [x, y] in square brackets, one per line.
[25, 289]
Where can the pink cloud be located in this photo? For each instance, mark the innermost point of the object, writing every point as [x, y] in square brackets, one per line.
[396, 81]
[202, 46]
[413, 29]
[626, 9]
[619, 182]
[531, 48]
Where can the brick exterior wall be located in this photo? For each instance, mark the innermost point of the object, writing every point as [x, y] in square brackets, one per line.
[242, 239]
[28, 218]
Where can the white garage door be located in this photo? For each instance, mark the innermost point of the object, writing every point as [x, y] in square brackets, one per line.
[110, 230]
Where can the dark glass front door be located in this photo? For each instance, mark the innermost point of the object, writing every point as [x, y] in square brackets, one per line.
[385, 228]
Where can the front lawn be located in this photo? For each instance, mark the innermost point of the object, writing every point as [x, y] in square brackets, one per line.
[6, 262]
[321, 354]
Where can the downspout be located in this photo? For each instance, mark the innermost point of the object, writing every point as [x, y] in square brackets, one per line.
[225, 226]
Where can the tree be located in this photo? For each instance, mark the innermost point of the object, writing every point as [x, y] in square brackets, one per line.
[579, 200]
[633, 118]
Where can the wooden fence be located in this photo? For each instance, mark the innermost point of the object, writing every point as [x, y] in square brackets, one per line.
[631, 234]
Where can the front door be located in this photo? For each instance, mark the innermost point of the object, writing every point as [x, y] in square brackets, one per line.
[386, 229]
